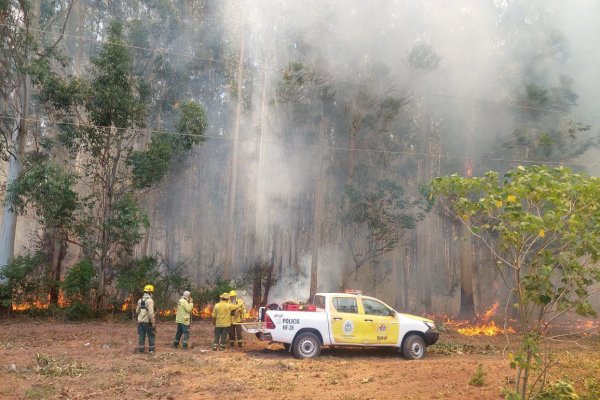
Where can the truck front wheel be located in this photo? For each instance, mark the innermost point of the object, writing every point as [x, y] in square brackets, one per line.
[414, 347]
[306, 345]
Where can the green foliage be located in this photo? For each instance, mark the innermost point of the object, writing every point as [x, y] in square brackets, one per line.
[559, 390]
[478, 378]
[123, 227]
[191, 125]
[209, 295]
[24, 279]
[151, 165]
[168, 280]
[509, 394]
[114, 101]
[386, 212]
[48, 189]
[543, 226]
[76, 287]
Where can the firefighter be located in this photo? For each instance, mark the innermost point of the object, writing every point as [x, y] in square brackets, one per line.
[146, 320]
[221, 315]
[237, 317]
[183, 319]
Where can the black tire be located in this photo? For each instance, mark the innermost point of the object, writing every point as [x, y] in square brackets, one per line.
[414, 347]
[286, 346]
[306, 345]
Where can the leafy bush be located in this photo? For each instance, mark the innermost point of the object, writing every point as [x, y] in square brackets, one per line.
[168, 280]
[76, 287]
[559, 390]
[26, 280]
[211, 294]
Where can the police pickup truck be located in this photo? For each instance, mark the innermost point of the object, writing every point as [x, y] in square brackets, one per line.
[345, 319]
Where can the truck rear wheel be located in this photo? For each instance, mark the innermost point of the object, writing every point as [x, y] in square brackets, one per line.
[414, 347]
[306, 345]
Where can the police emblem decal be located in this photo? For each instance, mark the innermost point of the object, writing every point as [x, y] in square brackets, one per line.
[382, 328]
[348, 327]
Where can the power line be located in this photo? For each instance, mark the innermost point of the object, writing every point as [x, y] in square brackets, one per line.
[287, 144]
[281, 71]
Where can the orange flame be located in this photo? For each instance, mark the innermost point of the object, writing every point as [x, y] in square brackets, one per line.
[486, 326]
[206, 312]
[167, 313]
[251, 313]
[39, 304]
[482, 325]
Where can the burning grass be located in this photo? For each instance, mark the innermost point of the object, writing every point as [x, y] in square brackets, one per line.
[482, 324]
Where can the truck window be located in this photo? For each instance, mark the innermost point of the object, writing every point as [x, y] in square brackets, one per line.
[319, 301]
[373, 307]
[345, 305]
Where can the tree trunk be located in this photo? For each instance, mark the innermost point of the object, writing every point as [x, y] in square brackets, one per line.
[230, 244]
[15, 166]
[317, 214]
[58, 251]
[15, 162]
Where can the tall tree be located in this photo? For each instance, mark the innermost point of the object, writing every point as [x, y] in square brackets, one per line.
[19, 31]
[104, 138]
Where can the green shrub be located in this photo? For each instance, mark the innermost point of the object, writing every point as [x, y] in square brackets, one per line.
[209, 295]
[25, 280]
[76, 287]
[478, 378]
[168, 281]
[559, 390]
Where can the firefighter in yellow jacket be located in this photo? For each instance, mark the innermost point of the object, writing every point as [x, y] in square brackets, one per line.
[183, 319]
[146, 320]
[221, 315]
[237, 317]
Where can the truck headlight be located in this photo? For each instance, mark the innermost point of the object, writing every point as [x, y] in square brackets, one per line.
[430, 325]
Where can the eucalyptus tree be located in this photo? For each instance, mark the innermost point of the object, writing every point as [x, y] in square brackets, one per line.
[102, 124]
[378, 218]
[19, 31]
[47, 189]
[544, 94]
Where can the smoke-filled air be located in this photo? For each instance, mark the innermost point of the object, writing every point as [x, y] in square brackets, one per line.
[247, 181]
[325, 123]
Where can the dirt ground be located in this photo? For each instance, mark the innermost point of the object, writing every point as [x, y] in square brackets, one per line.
[95, 360]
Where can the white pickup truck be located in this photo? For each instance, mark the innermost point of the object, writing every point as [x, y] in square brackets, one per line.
[345, 319]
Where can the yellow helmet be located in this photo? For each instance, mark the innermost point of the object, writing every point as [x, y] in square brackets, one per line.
[225, 296]
[232, 293]
[149, 288]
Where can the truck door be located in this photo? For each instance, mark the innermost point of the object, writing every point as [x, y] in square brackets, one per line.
[346, 323]
[381, 323]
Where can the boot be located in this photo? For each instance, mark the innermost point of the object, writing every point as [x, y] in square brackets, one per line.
[175, 345]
